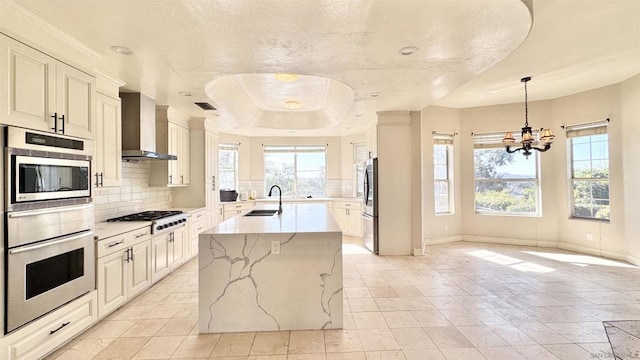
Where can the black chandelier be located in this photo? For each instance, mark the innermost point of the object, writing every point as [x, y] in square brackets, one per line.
[528, 141]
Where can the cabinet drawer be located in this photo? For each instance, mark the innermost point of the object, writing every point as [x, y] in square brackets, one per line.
[138, 236]
[197, 216]
[110, 245]
[347, 204]
[238, 206]
[46, 334]
[197, 227]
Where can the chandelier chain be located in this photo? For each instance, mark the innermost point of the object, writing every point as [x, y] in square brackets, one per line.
[526, 105]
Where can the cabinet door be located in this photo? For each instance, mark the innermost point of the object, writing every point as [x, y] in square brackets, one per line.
[183, 158]
[160, 265]
[108, 154]
[76, 100]
[355, 222]
[178, 245]
[173, 146]
[210, 156]
[29, 100]
[112, 280]
[139, 274]
[342, 219]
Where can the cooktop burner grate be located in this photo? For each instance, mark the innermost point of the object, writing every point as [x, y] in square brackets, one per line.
[147, 215]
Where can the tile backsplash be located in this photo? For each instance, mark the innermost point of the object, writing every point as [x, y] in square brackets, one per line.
[134, 195]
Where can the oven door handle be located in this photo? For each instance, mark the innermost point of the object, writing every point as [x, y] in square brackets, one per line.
[50, 243]
[48, 211]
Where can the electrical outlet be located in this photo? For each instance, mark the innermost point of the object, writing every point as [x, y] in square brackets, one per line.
[589, 236]
[275, 247]
[446, 227]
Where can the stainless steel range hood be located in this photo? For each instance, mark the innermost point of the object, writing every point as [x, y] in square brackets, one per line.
[139, 128]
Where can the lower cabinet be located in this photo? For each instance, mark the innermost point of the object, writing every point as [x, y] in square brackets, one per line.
[167, 253]
[348, 215]
[197, 223]
[123, 269]
[45, 334]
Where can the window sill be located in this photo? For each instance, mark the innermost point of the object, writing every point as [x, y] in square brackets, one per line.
[589, 219]
[509, 215]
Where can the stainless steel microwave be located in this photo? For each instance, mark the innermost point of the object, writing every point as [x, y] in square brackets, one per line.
[46, 170]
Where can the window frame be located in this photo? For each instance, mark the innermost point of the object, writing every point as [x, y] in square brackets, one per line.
[234, 148]
[446, 141]
[586, 131]
[489, 141]
[296, 150]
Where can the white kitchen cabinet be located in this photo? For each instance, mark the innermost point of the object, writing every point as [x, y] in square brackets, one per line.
[42, 93]
[167, 253]
[196, 225]
[372, 142]
[348, 215]
[108, 154]
[123, 268]
[235, 208]
[211, 170]
[43, 335]
[172, 139]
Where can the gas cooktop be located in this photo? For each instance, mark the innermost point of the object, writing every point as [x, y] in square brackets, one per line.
[161, 221]
[147, 215]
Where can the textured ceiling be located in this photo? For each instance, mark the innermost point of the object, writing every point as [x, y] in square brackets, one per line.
[185, 45]
[471, 53]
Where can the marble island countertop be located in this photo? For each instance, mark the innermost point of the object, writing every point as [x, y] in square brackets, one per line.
[295, 218]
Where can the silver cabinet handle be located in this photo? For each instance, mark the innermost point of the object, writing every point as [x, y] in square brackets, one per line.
[49, 243]
[140, 235]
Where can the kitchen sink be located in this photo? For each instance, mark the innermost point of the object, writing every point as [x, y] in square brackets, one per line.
[261, 212]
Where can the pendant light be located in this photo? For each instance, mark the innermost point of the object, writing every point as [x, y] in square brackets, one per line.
[528, 141]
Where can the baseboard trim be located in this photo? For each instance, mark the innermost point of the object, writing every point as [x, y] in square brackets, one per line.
[509, 241]
[522, 242]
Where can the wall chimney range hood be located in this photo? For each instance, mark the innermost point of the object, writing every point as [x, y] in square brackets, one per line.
[139, 128]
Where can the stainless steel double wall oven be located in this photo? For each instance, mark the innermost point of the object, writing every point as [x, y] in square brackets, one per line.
[49, 223]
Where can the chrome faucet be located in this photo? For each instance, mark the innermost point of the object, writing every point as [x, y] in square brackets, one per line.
[280, 191]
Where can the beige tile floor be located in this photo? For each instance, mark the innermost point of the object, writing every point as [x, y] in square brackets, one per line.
[460, 301]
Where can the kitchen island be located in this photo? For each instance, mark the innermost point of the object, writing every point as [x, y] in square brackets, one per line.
[278, 272]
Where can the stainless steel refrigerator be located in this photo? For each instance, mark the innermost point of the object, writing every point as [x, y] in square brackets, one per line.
[370, 212]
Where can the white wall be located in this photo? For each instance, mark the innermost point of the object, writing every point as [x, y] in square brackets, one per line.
[585, 107]
[541, 230]
[441, 120]
[630, 114]
[555, 227]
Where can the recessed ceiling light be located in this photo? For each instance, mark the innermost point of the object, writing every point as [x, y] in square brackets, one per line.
[285, 77]
[184, 93]
[408, 50]
[373, 95]
[122, 50]
[292, 104]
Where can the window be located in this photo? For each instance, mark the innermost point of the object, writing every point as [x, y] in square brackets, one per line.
[505, 184]
[360, 157]
[442, 179]
[228, 166]
[298, 170]
[589, 154]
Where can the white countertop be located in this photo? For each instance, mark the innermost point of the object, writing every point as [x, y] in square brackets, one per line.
[295, 218]
[288, 200]
[108, 229]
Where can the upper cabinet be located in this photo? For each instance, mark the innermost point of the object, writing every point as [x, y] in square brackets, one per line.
[43, 93]
[372, 142]
[107, 160]
[108, 156]
[171, 138]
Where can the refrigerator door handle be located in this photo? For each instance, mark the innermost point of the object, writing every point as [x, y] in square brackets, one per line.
[365, 200]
